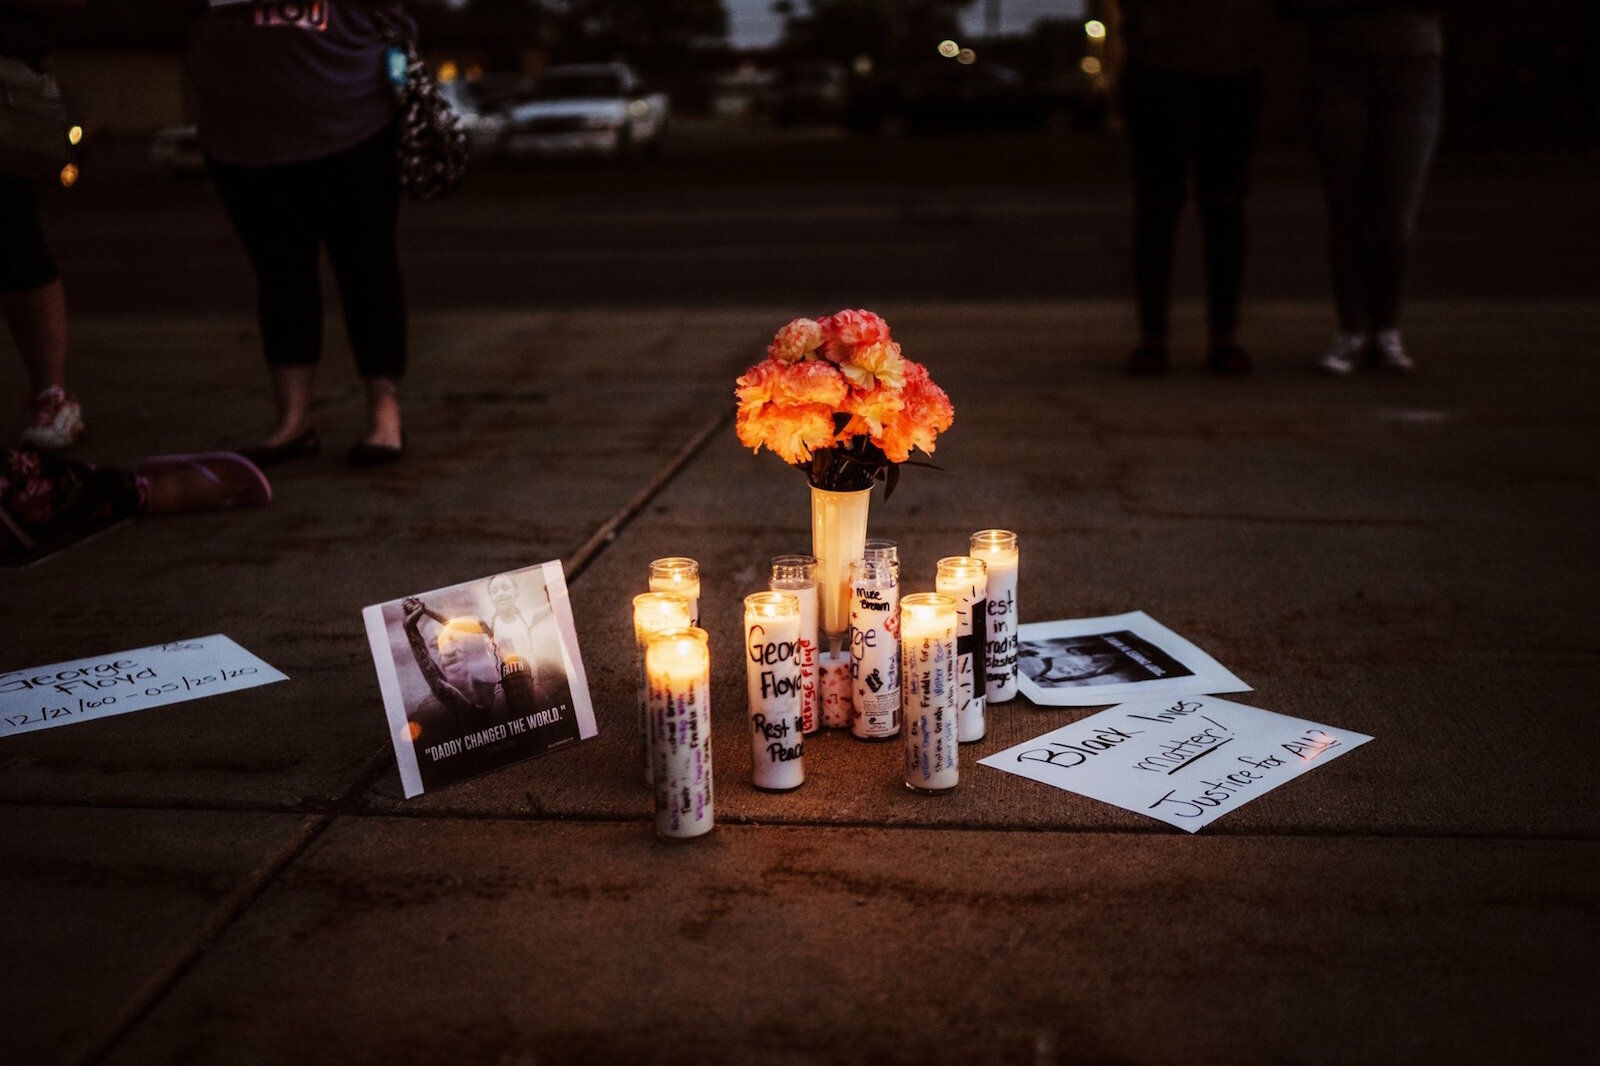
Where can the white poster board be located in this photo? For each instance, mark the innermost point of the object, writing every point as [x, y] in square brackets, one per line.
[1090, 662]
[1185, 761]
[79, 690]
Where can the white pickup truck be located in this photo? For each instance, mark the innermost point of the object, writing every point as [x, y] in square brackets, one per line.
[600, 109]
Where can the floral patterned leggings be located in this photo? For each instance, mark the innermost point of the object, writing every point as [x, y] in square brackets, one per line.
[38, 491]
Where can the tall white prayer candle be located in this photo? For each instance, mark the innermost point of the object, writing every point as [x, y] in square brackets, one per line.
[998, 550]
[653, 612]
[797, 574]
[966, 580]
[678, 574]
[928, 643]
[679, 664]
[875, 649]
[772, 671]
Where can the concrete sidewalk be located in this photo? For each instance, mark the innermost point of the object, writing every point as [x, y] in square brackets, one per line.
[237, 879]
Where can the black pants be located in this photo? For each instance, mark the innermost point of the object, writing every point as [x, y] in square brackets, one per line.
[1374, 125]
[348, 202]
[1175, 117]
[25, 260]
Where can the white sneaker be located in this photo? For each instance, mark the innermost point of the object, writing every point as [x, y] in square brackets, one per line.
[1390, 354]
[1343, 354]
[55, 421]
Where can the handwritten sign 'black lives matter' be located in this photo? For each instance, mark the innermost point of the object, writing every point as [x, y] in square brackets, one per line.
[1187, 760]
[63, 693]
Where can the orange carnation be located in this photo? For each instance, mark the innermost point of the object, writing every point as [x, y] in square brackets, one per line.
[795, 341]
[790, 432]
[759, 384]
[845, 331]
[927, 412]
[811, 382]
[875, 365]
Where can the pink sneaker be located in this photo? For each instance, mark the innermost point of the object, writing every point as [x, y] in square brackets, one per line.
[55, 421]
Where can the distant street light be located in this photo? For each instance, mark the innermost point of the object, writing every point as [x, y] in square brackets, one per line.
[1094, 29]
[948, 49]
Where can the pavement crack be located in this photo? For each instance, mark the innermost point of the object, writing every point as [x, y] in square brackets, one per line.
[240, 900]
[609, 530]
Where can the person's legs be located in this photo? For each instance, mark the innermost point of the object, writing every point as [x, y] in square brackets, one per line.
[1340, 122]
[38, 321]
[35, 305]
[1155, 106]
[1230, 107]
[1405, 130]
[273, 212]
[359, 226]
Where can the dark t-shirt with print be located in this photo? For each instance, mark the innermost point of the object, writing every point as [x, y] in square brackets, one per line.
[290, 80]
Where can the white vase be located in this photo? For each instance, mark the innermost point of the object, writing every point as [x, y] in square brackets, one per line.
[838, 538]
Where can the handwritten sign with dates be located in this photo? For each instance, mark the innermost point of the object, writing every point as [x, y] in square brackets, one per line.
[1186, 760]
[62, 693]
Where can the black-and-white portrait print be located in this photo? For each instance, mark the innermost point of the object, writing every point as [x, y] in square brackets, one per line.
[1093, 662]
[1096, 659]
[479, 675]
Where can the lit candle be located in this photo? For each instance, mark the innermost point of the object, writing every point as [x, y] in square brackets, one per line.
[679, 664]
[653, 612]
[875, 649]
[928, 643]
[998, 550]
[680, 575]
[965, 580]
[797, 574]
[772, 671]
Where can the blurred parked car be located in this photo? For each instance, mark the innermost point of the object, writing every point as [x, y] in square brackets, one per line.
[809, 94]
[485, 129]
[600, 109]
[942, 94]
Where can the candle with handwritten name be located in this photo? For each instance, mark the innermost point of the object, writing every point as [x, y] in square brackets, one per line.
[998, 550]
[928, 672]
[835, 688]
[797, 574]
[966, 580]
[678, 663]
[653, 612]
[678, 574]
[875, 649]
[772, 671]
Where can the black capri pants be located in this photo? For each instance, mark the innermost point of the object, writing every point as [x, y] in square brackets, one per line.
[1176, 118]
[284, 215]
[25, 260]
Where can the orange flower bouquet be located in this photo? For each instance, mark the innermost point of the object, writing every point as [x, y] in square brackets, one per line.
[836, 399]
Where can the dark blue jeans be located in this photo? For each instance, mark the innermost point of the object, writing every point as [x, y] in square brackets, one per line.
[1374, 124]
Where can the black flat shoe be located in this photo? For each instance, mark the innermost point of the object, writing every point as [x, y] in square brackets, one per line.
[367, 455]
[304, 446]
[1230, 360]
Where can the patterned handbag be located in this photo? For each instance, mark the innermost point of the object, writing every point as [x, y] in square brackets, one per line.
[433, 145]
